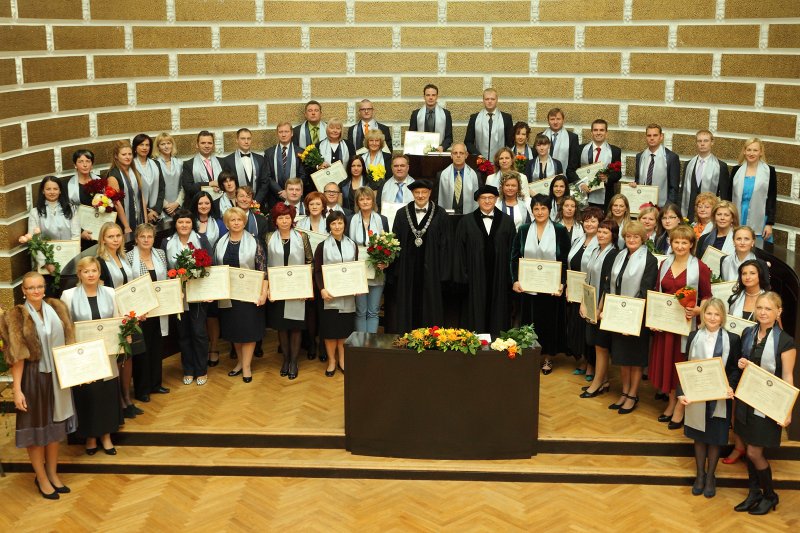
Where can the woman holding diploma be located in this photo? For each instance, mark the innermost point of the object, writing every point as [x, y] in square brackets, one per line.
[242, 323]
[772, 349]
[45, 412]
[286, 247]
[97, 403]
[619, 210]
[314, 202]
[363, 224]
[148, 261]
[116, 271]
[680, 269]
[744, 240]
[711, 340]
[633, 273]
[755, 189]
[192, 323]
[725, 218]
[337, 315]
[547, 240]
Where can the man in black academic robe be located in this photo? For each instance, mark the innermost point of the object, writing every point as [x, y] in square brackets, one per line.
[481, 257]
[415, 279]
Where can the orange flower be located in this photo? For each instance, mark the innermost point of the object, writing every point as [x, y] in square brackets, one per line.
[132, 314]
[181, 271]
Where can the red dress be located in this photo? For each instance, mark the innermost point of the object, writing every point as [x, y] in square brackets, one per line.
[666, 348]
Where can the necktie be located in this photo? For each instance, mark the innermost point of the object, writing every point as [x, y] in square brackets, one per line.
[314, 134]
[553, 144]
[510, 209]
[247, 165]
[542, 169]
[701, 166]
[398, 198]
[245, 155]
[457, 188]
[207, 163]
[284, 157]
[650, 169]
[421, 211]
[429, 121]
[487, 216]
[597, 155]
[366, 129]
[489, 148]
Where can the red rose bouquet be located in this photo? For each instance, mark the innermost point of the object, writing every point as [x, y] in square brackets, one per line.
[191, 263]
[382, 248]
[485, 166]
[615, 166]
[104, 196]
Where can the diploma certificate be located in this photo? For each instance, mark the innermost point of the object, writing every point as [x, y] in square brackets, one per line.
[363, 255]
[537, 275]
[389, 210]
[138, 295]
[213, 191]
[105, 329]
[92, 219]
[641, 194]
[170, 298]
[245, 284]
[767, 393]
[665, 312]
[723, 290]
[737, 325]
[217, 286]
[540, 186]
[314, 238]
[290, 282]
[82, 362]
[588, 173]
[334, 173]
[575, 281]
[421, 142]
[712, 258]
[63, 253]
[345, 279]
[622, 314]
[703, 380]
[590, 302]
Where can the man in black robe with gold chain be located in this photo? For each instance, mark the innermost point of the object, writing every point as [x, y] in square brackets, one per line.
[481, 257]
[414, 280]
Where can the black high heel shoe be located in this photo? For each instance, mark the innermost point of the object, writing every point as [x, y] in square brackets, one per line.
[675, 425]
[664, 418]
[92, 451]
[624, 411]
[602, 390]
[213, 362]
[234, 373]
[52, 496]
[330, 373]
[617, 406]
[767, 504]
[285, 367]
[293, 370]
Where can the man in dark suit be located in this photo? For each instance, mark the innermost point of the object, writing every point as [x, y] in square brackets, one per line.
[659, 166]
[201, 170]
[433, 118]
[312, 130]
[281, 162]
[245, 165]
[599, 151]
[489, 130]
[703, 173]
[356, 132]
[564, 145]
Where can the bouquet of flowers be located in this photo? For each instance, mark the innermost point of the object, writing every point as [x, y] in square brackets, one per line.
[376, 172]
[576, 192]
[192, 263]
[103, 195]
[39, 245]
[520, 163]
[311, 157]
[687, 297]
[524, 336]
[255, 207]
[383, 248]
[442, 339]
[485, 166]
[128, 327]
[509, 345]
[615, 166]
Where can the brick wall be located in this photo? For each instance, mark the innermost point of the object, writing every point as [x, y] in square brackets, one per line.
[82, 73]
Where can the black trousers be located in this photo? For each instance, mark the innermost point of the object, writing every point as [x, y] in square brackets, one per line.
[147, 365]
[194, 341]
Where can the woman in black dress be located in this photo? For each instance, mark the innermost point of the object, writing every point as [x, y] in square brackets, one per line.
[96, 403]
[545, 240]
[337, 316]
[286, 247]
[76, 192]
[771, 348]
[242, 323]
[707, 423]
[45, 412]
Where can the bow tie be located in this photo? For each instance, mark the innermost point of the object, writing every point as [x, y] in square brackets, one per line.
[486, 216]
[244, 155]
[421, 210]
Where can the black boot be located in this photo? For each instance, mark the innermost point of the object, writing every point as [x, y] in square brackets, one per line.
[754, 496]
[285, 365]
[769, 500]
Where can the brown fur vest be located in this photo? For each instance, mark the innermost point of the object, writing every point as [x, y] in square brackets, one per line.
[18, 329]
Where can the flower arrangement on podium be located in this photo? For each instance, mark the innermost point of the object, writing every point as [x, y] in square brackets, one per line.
[485, 166]
[614, 166]
[520, 163]
[191, 263]
[440, 339]
[687, 297]
[104, 196]
[311, 157]
[127, 328]
[383, 248]
[37, 244]
[515, 340]
[376, 172]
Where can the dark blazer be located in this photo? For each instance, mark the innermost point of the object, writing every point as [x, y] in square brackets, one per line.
[356, 135]
[229, 163]
[271, 185]
[187, 179]
[469, 138]
[534, 168]
[296, 133]
[772, 194]
[723, 188]
[673, 175]
[447, 136]
[613, 177]
[574, 156]
[518, 249]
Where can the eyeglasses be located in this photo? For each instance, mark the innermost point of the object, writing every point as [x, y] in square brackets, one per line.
[366, 109]
[331, 192]
[35, 288]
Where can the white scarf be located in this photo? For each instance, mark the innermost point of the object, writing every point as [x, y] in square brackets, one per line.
[730, 265]
[587, 158]
[331, 254]
[549, 168]
[292, 309]
[74, 189]
[770, 353]
[212, 231]
[116, 273]
[520, 213]
[161, 274]
[699, 351]
[659, 172]
[594, 268]
[389, 190]
[305, 134]
[80, 308]
[544, 248]
[758, 201]
[172, 177]
[736, 307]
[150, 173]
[439, 120]
[247, 250]
[489, 146]
[277, 163]
[560, 149]
[577, 232]
[709, 179]
[175, 247]
[199, 172]
[469, 184]
[587, 252]
[529, 154]
[225, 203]
[357, 232]
[631, 282]
[325, 149]
[305, 223]
[54, 225]
[692, 280]
[51, 335]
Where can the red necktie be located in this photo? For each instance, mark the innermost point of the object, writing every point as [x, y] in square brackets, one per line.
[597, 155]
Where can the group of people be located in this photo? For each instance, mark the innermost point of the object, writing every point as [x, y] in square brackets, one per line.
[461, 238]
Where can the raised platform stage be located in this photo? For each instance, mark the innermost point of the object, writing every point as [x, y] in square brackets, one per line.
[276, 427]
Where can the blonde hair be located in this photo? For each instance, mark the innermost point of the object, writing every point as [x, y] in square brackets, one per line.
[709, 197]
[773, 297]
[747, 143]
[682, 231]
[233, 212]
[141, 228]
[374, 134]
[118, 146]
[85, 262]
[164, 136]
[627, 216]
[102, 251]
[360, 193]
[725, 204]
[716, 303]
[634, 227]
